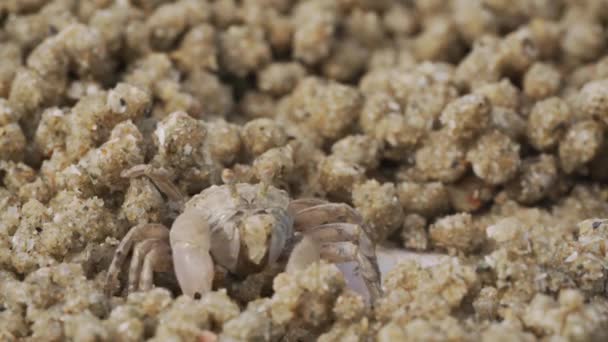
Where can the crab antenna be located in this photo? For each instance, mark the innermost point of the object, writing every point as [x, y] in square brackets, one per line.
[229, 179]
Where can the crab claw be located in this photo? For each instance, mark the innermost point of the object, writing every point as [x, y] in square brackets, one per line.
[190, 243]
[306, 252]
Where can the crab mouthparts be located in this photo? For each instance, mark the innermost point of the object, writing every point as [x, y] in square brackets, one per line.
[255, 233]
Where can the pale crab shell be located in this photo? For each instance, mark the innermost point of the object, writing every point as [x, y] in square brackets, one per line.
[224, 206]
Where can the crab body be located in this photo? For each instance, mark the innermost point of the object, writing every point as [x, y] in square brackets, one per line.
[242, 228]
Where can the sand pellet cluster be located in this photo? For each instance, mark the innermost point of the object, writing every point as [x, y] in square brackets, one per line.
[470, 135]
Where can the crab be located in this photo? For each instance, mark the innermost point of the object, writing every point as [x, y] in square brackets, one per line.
[240, 227]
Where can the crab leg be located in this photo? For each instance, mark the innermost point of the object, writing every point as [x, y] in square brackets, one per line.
[341, 224]
[339, 252]
[326, 213]
[334, 232]
[158, 259]
[304, 203]
[159, 176]
[340, 242]
[135, 235]
[368, 266]
[342, 232]
[140, 252]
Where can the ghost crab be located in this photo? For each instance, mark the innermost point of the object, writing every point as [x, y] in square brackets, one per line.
[236, 226]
